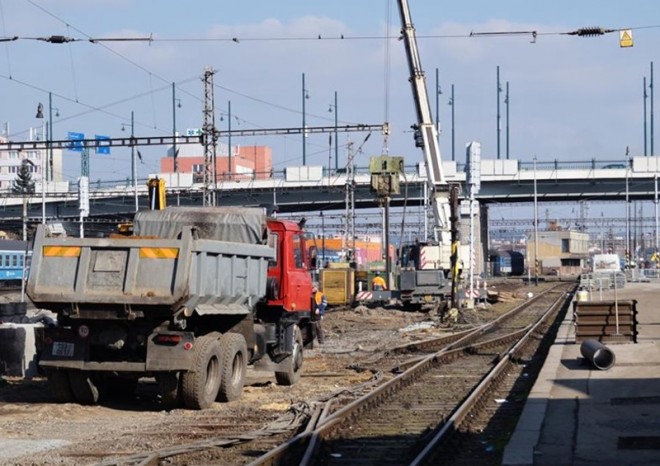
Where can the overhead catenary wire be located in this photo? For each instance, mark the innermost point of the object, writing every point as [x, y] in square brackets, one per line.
[89, 108]
[99, 41]
[237, 40]
[70, 40]
[60, 39]
[67, 39]
[580, 32]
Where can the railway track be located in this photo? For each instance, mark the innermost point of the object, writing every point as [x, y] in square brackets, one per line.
[220, 443]
[516, 320]
[480, 427]
[428, 403]
[214, 439]
[387, 420]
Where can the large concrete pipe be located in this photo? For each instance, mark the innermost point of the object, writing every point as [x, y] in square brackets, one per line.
[597, 354]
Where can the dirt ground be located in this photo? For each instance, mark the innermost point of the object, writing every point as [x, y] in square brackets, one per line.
[34, 430]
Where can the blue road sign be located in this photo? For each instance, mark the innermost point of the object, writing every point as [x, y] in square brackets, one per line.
[76, 144]
[102, 149]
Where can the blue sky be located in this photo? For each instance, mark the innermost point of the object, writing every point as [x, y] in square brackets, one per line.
[570, 98]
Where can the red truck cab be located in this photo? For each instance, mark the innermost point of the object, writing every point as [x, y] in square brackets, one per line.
[289, 278]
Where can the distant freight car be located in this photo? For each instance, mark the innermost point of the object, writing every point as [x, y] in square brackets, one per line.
[507, 263]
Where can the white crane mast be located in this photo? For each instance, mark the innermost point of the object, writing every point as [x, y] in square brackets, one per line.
[426, 134]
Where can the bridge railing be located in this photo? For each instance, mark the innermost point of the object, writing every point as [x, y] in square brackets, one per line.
[591, 164]
[329, 172]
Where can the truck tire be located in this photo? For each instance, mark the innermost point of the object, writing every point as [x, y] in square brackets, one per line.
[294, 362]
[83, 387]
[272, 288]
[234, 365]
[168, 388]
[199, 388]
[58, 382]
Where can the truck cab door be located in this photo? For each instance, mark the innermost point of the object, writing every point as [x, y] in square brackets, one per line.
[298, 297]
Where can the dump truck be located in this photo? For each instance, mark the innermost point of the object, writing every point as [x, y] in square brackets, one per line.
[191, 298]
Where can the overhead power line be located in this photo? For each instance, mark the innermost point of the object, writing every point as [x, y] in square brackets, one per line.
[59, 39]
[580, 32]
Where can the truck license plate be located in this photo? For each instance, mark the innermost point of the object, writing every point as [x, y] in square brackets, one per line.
[63, 349]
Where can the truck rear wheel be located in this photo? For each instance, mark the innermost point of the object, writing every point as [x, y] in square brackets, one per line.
[294, 362]
[58, 381]
[83, 387]
[199, 388]
[234, 365]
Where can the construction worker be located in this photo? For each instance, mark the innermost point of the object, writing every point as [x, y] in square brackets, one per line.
[378, 283]
[320, 303]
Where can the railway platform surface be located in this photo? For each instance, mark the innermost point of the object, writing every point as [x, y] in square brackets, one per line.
[579, 415]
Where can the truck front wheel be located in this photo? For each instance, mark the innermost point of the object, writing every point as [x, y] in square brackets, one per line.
[294, 362]
[234, 365]
[199, 387]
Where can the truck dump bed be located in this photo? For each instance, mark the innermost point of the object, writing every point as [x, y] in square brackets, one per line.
[212, 260]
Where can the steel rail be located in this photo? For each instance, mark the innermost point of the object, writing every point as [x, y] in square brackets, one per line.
[312, 441]
[455, 421]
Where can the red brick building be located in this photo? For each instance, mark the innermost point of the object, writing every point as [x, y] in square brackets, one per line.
[247, 162]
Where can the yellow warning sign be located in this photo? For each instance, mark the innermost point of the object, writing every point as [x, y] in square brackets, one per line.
[625, 38]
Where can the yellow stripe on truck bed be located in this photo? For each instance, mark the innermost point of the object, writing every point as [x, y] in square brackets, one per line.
[61, 251]
[159, 253]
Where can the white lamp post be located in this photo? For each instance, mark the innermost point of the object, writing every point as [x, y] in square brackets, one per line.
[42, 156]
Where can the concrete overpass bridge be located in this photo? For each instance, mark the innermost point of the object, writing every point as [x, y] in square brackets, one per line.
[314, 189]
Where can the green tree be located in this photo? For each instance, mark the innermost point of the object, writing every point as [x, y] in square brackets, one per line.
[24, 184]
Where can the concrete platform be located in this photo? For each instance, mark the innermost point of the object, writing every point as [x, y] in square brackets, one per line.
[19, 347]
[20, 337]
[579, 415]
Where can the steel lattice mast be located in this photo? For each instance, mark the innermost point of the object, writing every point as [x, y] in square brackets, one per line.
[209, 138]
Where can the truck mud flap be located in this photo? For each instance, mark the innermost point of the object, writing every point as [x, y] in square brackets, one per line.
[280, 351]
[268, 365]
[170, 351]
[286, 339]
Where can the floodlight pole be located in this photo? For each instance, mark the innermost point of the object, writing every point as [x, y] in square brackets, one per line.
[133, 162]
[536, 230]
[50, 134]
